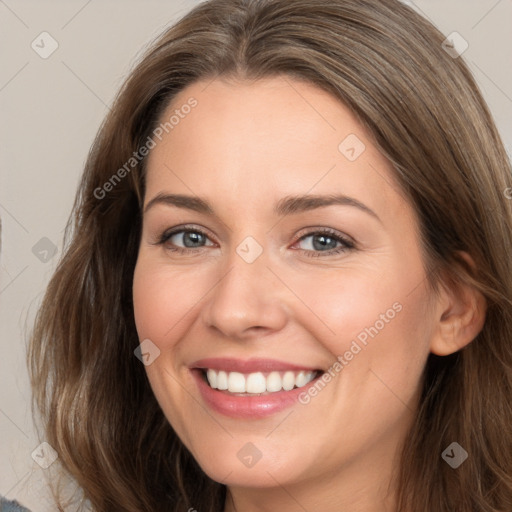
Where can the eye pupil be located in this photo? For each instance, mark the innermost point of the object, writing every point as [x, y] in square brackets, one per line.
[324, 242]
[195, 238]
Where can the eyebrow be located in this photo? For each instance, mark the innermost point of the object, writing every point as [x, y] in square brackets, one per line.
[288, 205]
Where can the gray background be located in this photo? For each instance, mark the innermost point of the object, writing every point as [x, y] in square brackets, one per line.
[50, 111]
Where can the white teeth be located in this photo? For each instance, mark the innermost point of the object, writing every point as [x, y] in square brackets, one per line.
[222, 380]
[274, 382]
[301, 379]
[255, 383]
[288, 381]
[236, 382]
[211, 375]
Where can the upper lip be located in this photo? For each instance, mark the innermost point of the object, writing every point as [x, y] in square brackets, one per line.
[228, 364]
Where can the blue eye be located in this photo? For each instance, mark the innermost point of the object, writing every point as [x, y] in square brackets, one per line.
[323, 242]
[190, 239]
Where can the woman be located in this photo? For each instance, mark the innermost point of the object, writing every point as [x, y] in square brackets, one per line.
[199, 349]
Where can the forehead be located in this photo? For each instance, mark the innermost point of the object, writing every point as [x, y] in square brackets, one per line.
[253, 142]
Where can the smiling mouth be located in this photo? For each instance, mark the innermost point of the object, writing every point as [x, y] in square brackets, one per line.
[257, 383]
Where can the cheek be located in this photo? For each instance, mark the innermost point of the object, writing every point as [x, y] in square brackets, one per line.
[375, 325]
[379, 345]
[161, 299]
[351, 304]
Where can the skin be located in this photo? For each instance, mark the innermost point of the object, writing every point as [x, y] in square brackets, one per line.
[245, 146]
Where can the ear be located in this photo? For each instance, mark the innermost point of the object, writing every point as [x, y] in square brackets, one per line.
[460, 313]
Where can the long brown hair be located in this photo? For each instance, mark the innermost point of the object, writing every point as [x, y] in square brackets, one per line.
[427, 116]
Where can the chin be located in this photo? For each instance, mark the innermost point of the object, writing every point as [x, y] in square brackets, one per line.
[245, 465]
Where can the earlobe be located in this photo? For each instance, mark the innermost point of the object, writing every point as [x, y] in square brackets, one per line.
[461, 311]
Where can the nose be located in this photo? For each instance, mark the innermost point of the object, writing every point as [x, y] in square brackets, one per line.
[247, 301]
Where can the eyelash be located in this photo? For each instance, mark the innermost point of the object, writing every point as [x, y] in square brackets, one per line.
[347, 244]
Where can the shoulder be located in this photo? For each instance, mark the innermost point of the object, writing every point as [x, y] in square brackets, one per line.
[11, 506]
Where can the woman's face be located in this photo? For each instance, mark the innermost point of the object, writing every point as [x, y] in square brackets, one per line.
[301, 255]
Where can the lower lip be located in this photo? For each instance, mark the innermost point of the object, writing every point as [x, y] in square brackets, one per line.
[251, 407]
